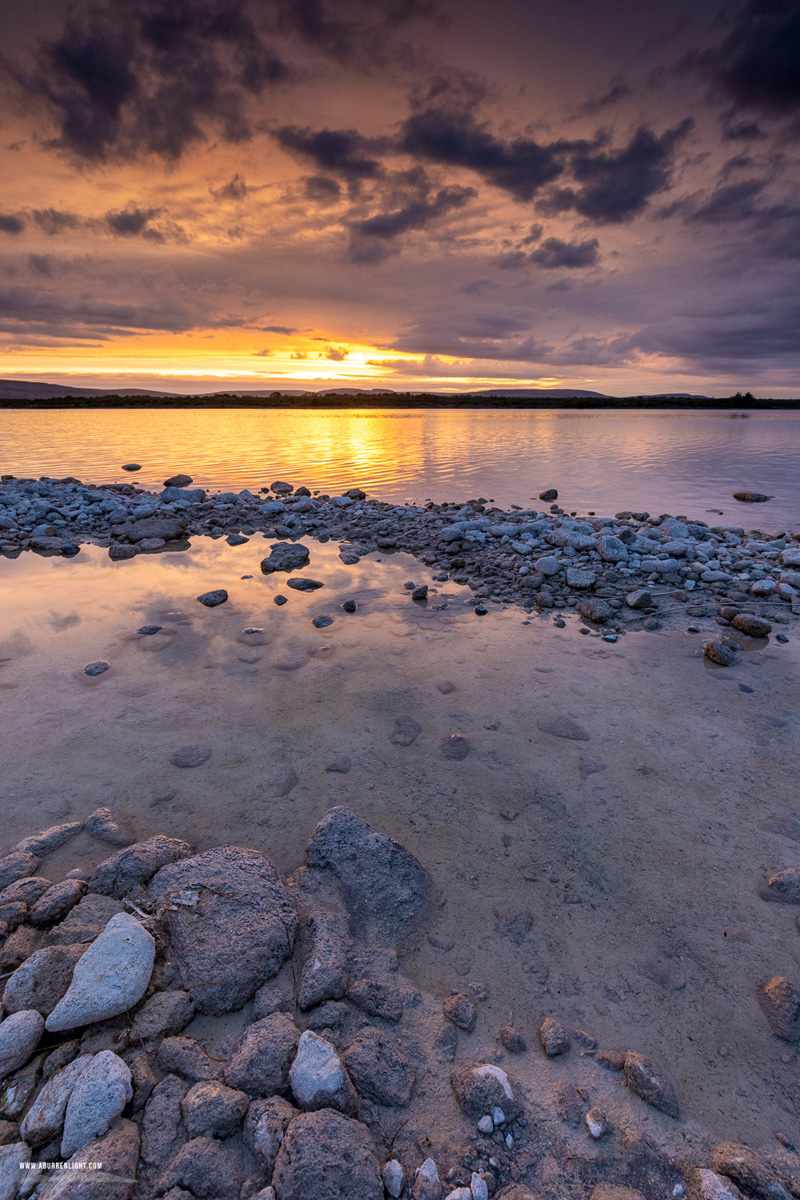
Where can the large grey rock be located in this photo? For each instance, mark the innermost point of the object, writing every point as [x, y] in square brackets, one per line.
[318, 1076]
[326, 1156]
[650, 1083]
[18, 946]
[17, 865]
[54, 904]
[98, 1097]
[325, 948]
[164, 1014]
[210, 1109]
[19, 1037]
[285, 556]
[383, 885]
[168, 528]
[231, 924]
[380, 1067]
[44, 1120]
[49, 839]
[162, 1124]
[783, 886]
[118, 1151]
[264, 1056]
[207, 1168]
[264, 1128]
[485, 1086]
[708, 1185]
[42, 980]
[111, 977]
[136, 865]
[185, 1056]
[11, 1156]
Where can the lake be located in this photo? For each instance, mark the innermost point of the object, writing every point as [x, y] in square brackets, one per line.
[602, 461]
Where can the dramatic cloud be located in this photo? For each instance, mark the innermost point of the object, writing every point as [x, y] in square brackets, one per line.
[284, 329]
[555, 253]
[758, 65]
[133, 222]
[371, 237]
[54, 221]
[342, 152]
[336, 353]
[234, 189]
[10, 223]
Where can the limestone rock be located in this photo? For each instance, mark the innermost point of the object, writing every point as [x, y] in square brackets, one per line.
[264, 1129]
[325, 1156]
[318, 1076]
[98, 1097]
[708, 1185]
[230, 923]
[56, 902]
[111, 977]
[19, 1037]
[42, 980]
[17, 865]
[213, 1110]
[164, 1014]
[136, 865]
[85, 922]
[264, 1056]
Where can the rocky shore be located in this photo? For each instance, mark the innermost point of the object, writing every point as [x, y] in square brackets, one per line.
[628, 571]
[180, 1025]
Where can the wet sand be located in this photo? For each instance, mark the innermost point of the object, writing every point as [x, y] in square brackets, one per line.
[611, 881]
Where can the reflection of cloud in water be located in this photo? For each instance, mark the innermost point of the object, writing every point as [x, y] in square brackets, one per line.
[16, 645]
[60, 623]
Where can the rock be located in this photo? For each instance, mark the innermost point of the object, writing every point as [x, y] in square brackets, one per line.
[96, 668]
[384, 886]
[608, 1191]
[54, 904]
[164, 1014]
[111, 977]
[98, 1097]
[780, 1001]
[461, 1011]
[17, 865]
[131, 466]
[136, 865]
[185, 1056]
[640, 598]
[377, 999]
[118, 552]
[13, 914]
[512, 1040]
[264, 1056]
[285, 556]
[281, 488]
[406, 731]
[751, 497]
[549, 495]
[324, 974]
[318, 1076]
[19, 1037]
[427, 1185]
[85, 922]
[206, 1168]
[101, 824]
[554, 1037]
[118, 1151]
[478, 1187]
[611, 549]
[169, 528]
[42, 980]
[326, 1156]
[44, 1120]
[783, 886]
[708, 1185]
[597, 1123]
[746, 1169]
[26, 890]
[394, 1178]
[559, 725]
[322, 621]
[178, 481]
[580, 580]
[301, 583]
[420, 593]
[230, 921]
[595, 610]
[340, 766]
[264, 1128]
[45, 842]
[212, 1110]
[190, 756]
[719, 653]
[482, 1087]
[753, 626]
[645, 1079]
[213, 598]
[162, 1123]
[18, 946]
[612, 1060]
[547, 565]
[380, 1068]
[455, 748]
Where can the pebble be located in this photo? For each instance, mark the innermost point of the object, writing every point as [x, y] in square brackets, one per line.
[597, 1123]
[512, 1040]
[753, 626]
[101, 824]
[406, 731]
[454, 748]
[131, 466]
[322, 621]
[461, 1011]
[318, 1076]
[649, 1083]
[178, 481]
[96, 668]
[111, 977]
[480, 610]
[212, 599]
[394, 1178]
[149, 630]
[279, 600]
[554, 1037]
[718, 652]
[420, 593]
[301, 583]
[486, 1124]
[349, 606]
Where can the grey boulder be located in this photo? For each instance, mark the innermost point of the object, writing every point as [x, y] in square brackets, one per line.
[264, 1056]
[111, 977]
[318, 1076]
[118, 1151]
[54, 904]
[44, 1120]
[206, 1168]
[17, 865]
[285, 556]
[136, 865]
[264, 1129]
[230, 921]
[98, 1097]
[42, 980]
[326, 1156]
[19, 1037]
[213, 1110]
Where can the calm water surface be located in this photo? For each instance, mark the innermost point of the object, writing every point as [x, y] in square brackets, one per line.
[674, 462]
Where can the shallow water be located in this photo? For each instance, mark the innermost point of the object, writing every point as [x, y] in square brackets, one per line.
[676, 462]
[612, 881]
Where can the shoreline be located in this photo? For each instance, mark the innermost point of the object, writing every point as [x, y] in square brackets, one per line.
[618, 573]
[405, 400]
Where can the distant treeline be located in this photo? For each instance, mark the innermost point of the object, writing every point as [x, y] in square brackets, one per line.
[312, 400]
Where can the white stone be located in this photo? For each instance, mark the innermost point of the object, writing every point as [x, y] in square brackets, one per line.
[19, 1037]
[459, 1193]
[710, 1186]
[596, 1123]
[97, 1099]
[486, 1124]
[394, 1178]
[498, 1116]
[318, 1077]
[428, 1171]
[45, 1118]
[111, 977]
[478, 1187]
[498, 1073]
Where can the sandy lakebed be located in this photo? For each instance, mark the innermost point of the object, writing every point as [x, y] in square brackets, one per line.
[596, 819]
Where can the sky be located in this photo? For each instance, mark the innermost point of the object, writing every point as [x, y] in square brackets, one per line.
[420, 195]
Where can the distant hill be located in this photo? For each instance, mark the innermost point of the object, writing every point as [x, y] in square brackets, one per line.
[23, 389]
[540, 393]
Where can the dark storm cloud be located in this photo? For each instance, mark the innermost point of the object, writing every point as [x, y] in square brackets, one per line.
[152, 77]
[284, 329]
[234, 189]
[737, 130]
[133, 222]
[54, 221]
[733, 202]
[321, 189]
[11, 223]
[352, 31]
[371, 239]
[342, 152]
[27, 310]
[554, 252]
[758, 64]
[617, 185]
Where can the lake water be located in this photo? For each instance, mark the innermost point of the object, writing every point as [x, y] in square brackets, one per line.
[676, 462]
